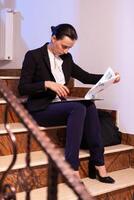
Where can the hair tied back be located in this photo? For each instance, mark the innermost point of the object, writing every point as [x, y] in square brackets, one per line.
[53, 29]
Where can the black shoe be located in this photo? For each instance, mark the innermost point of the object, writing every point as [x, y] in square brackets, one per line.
[106, 179]
[94, 174]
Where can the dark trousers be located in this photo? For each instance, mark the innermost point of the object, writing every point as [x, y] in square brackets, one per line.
[82, 121]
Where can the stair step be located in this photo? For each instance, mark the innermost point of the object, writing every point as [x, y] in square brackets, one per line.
[9, 77]
[39, 158]
[95, 187]
[2, 101]
[19, 127]
[12, 117]
[56, 134]
[22, 99]
[12, 83]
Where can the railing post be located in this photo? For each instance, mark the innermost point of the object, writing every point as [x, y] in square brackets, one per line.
[52, 181]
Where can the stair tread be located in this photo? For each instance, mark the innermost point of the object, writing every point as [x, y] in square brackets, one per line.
[22, 99]
[18, 127]
[39, 158]
[93, 186]
[2, 101]
[9, 77]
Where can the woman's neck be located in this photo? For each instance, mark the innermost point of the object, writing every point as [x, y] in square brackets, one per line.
[51, 48]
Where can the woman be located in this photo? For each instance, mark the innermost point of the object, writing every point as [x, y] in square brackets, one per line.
[45, 74]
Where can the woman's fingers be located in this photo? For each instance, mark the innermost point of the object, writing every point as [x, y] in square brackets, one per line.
[66, 89]
[60, 89]
[117, 79]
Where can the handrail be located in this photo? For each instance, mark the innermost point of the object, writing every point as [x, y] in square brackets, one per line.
[48, 147]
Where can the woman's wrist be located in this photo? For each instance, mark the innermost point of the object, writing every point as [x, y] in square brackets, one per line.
[47, 84]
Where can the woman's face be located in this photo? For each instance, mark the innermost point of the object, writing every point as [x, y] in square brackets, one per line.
[62, 46]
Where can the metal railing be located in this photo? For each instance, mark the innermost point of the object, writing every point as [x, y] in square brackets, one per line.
[56, 159]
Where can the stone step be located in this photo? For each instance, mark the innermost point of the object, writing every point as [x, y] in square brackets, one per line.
[10, 77]
[39, 158]
[19, 128]
[3, 102]
[12, 117]
[56, 133]
[12, 83]
[116, 158]
[121, 189]
[12, 72]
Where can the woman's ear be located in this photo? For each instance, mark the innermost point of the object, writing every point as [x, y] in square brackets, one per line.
[53, 39]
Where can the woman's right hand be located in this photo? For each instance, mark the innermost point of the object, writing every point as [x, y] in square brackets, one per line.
[61, 90]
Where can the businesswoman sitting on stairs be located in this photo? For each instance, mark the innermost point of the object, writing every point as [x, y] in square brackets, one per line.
[45, 74]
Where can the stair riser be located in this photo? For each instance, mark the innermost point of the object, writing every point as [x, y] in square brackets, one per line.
[129, 139]
[6, 145]
[12, 117]
[10, 72]
[123, 194]
[132, 159]
[21, 178]
[113, 162]
[21, 138]
[12, 85]
[40, 173]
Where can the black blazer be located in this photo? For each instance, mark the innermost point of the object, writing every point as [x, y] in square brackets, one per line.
[36, 69]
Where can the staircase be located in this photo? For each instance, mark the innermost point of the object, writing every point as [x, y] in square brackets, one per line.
[119, 159]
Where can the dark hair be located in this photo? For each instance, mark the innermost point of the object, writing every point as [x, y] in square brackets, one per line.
[64, 30]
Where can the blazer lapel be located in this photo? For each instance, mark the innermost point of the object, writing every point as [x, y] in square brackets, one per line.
[45, 55]
[46, 60]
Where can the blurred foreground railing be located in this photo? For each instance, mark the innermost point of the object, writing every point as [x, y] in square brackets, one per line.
[56, 159]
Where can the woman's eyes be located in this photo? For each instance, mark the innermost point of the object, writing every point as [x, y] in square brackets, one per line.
[65, 47]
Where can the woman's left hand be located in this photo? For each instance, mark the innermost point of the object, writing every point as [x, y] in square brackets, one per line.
[117, 79]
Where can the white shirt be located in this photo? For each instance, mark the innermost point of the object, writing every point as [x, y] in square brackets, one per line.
[56, 67]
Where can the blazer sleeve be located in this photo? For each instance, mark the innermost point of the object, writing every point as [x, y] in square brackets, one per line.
[26, 84]
[83, 76]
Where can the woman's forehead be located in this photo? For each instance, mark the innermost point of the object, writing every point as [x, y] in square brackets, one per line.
[66, 41]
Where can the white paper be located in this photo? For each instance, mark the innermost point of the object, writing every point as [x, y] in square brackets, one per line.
[106, 80]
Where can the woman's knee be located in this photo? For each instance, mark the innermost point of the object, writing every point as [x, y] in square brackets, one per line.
[79, 108]
[92, 108]
[92, 105]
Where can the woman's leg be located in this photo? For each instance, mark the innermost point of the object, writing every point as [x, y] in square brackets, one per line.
[70, 113]
[92, 135]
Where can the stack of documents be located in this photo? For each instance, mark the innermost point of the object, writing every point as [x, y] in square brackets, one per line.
[106, 80]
